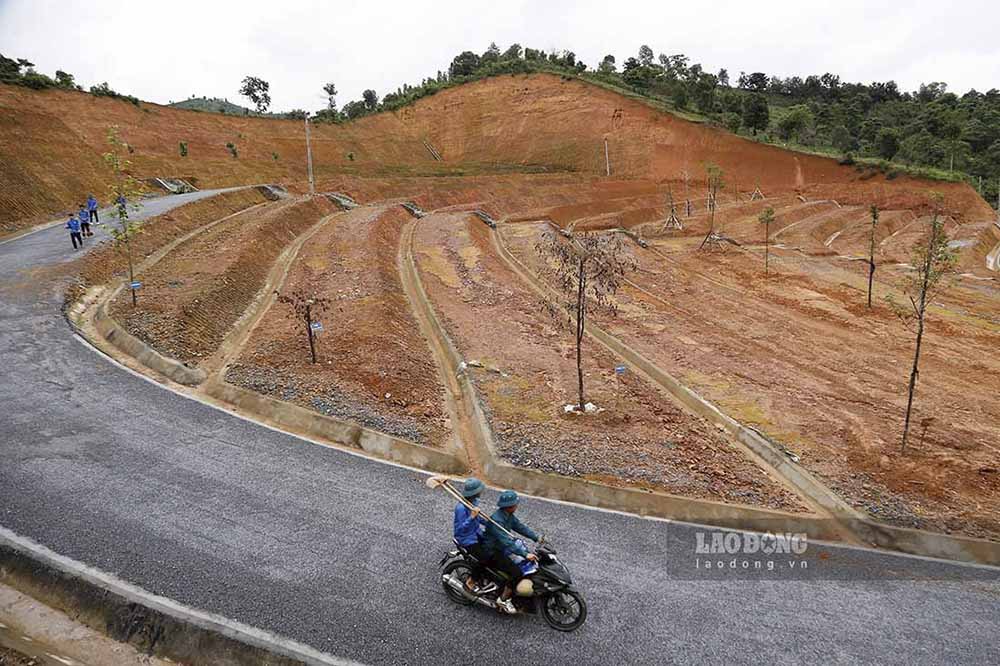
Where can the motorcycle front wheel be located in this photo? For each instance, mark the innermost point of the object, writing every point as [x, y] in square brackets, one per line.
[564, 610]
[462, 571]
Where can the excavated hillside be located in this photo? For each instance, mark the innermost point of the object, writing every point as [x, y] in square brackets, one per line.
[53, 143]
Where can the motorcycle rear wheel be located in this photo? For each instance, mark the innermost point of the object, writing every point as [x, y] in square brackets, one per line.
[462, 571]
[564, 610]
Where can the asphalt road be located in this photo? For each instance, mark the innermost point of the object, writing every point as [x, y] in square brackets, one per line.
[340, 552]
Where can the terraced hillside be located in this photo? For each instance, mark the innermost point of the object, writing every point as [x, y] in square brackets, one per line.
[792, 357]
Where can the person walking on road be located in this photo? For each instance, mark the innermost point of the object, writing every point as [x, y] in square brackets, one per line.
[84, 216]
[92, 209]
[73, 225]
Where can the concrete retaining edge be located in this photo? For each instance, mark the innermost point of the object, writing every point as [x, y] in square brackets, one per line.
[592, 493]
[928, 544]
[128, 344]
[150, 623]
[305, 421]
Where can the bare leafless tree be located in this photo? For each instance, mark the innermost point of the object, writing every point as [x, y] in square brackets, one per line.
[715, 184]
[588, 269]
[305, 309]
[871, 253]
[933, 261]
[766, 218]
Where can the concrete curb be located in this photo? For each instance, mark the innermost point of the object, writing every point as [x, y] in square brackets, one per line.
[570, 489]
[150, 623]
[111, 330]
[929, 544]
[305, 421]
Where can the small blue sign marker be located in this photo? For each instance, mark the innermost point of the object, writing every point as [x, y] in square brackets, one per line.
[316, 326]
[620, 369]
[135, 285]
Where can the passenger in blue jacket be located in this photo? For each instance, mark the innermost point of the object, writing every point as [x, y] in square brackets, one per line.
[73, 225]
[469, 527]
[502, 547]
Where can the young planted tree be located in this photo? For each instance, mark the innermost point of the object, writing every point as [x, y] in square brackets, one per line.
[257, 91]
[766, 218]
[588, 269]
[123, 189]
[933, 261]
[306, 309]
[871, 253]
[715, 184]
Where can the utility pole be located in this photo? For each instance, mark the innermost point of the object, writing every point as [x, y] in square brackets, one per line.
[309, 166]
[607, 160]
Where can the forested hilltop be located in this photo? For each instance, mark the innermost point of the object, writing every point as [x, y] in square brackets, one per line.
[931, 131]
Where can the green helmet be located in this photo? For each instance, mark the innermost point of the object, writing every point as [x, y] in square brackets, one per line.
[507, 498]
[472, 487]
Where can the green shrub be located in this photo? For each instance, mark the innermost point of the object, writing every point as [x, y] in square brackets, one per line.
[232, 150]
[184, 148]
[104, 90]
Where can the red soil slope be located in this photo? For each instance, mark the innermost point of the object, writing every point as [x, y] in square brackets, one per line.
[53, 141]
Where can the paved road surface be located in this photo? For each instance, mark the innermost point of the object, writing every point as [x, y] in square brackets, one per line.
[339, 552]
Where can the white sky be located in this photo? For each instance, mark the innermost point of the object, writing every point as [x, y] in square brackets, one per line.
[163, 51]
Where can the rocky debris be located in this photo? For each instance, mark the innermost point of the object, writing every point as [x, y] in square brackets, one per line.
[10, 657]
[622, 457]
[328, 400]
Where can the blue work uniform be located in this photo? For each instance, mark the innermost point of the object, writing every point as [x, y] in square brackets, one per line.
[498, 542]
[468, 529]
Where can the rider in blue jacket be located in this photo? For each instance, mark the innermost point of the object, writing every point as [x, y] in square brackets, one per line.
[501, 546]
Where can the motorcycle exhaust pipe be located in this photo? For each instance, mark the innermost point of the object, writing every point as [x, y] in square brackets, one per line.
[460, 587]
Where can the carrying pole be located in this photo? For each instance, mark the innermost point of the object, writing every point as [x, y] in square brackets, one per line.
[442, 482]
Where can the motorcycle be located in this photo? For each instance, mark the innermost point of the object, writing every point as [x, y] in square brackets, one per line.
[547, 591]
